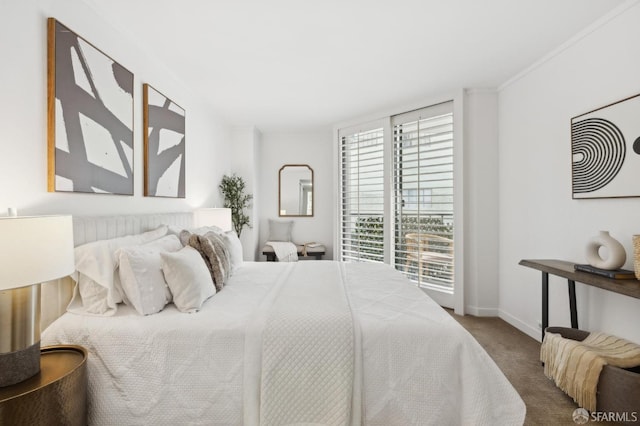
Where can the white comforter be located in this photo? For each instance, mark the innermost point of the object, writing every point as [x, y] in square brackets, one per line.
[414, 364]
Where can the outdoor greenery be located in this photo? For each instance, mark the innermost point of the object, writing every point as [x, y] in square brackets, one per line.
[426, 225]
[368, 237]
[233, 188]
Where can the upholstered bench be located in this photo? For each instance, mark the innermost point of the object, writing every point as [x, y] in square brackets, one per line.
[315, 252]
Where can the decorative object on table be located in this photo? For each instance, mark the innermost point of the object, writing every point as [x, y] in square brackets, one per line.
[220, 217]
[616, 254]
[605, 145]
[164, 145]
[616, 274]
[90, 115]
[233, 188]
[636, 255]
[33, 250]
[310, 245]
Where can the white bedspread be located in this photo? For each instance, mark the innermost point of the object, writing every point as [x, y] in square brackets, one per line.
[302, 344]
[418, 365]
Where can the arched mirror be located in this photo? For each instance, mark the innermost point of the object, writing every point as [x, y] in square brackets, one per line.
[295, 191]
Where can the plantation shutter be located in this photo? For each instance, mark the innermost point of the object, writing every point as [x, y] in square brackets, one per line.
[423, 195]
[362, 192]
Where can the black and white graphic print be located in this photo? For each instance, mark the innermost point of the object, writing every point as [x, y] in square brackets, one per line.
[598, 150]
[164, 146]
[605, 158]
[92, 116]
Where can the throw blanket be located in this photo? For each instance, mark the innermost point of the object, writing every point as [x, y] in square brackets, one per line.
[575, 366]
[285, 251]
[300, 352]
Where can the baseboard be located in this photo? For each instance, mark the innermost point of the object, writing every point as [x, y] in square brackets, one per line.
[524, 327]
[481, 312]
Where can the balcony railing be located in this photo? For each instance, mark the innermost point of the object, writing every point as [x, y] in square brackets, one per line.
[427, 261]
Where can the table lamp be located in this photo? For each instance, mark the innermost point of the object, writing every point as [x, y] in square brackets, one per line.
[32, 250]
[220, 217]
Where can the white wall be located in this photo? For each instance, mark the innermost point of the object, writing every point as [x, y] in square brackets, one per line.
[23, 119]
[245, 162]
[538, 218]
[315, 149]
[481, 202]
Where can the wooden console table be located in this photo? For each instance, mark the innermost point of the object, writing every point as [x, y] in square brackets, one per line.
[566, 270]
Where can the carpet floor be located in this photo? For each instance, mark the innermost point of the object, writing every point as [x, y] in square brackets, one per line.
[518, 356]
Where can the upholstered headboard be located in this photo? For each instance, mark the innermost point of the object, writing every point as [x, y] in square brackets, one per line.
[55, 295]
[93, 228]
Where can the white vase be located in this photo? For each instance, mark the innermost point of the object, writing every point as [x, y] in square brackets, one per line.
[616, 256]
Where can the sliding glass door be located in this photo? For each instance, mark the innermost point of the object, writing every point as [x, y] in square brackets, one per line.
[397, 196]
[423, 198]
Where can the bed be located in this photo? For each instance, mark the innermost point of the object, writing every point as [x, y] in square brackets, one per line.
[310, 342]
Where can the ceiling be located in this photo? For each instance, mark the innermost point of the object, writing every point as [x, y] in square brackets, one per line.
[296, 64]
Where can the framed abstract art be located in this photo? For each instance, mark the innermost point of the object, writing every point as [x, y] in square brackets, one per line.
[605, 150]
[90, 117]
[164, 145]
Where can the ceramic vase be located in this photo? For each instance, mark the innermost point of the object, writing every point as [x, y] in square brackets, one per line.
[616, 254]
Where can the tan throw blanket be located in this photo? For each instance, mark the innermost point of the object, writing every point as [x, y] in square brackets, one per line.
[575, 366]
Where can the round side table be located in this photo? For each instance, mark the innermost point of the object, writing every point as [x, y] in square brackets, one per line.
[55, 396]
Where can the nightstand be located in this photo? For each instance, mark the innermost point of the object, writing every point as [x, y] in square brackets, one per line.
[55, 396]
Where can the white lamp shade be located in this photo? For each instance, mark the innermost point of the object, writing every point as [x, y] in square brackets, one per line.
[219, 217]
[35, 250]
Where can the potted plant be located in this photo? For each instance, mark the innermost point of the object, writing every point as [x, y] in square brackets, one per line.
[232, 188]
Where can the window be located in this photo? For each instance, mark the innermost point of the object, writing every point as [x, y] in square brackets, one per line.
[362, 222]
[415, 228]
[423, 195]
[416, 199]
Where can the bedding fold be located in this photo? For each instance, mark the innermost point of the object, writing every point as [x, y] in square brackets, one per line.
[307, 352]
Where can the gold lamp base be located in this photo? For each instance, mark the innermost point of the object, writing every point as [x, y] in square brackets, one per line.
[20, 334]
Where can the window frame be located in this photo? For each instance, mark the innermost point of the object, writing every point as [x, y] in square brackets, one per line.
[384, 117]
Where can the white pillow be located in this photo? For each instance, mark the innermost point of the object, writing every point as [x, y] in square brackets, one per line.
[97, 290]
[188, 278]
[141, 275]
[280, 230]
[234, 246]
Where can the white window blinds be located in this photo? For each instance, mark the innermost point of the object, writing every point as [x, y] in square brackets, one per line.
[423, 194]
[362, 214]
